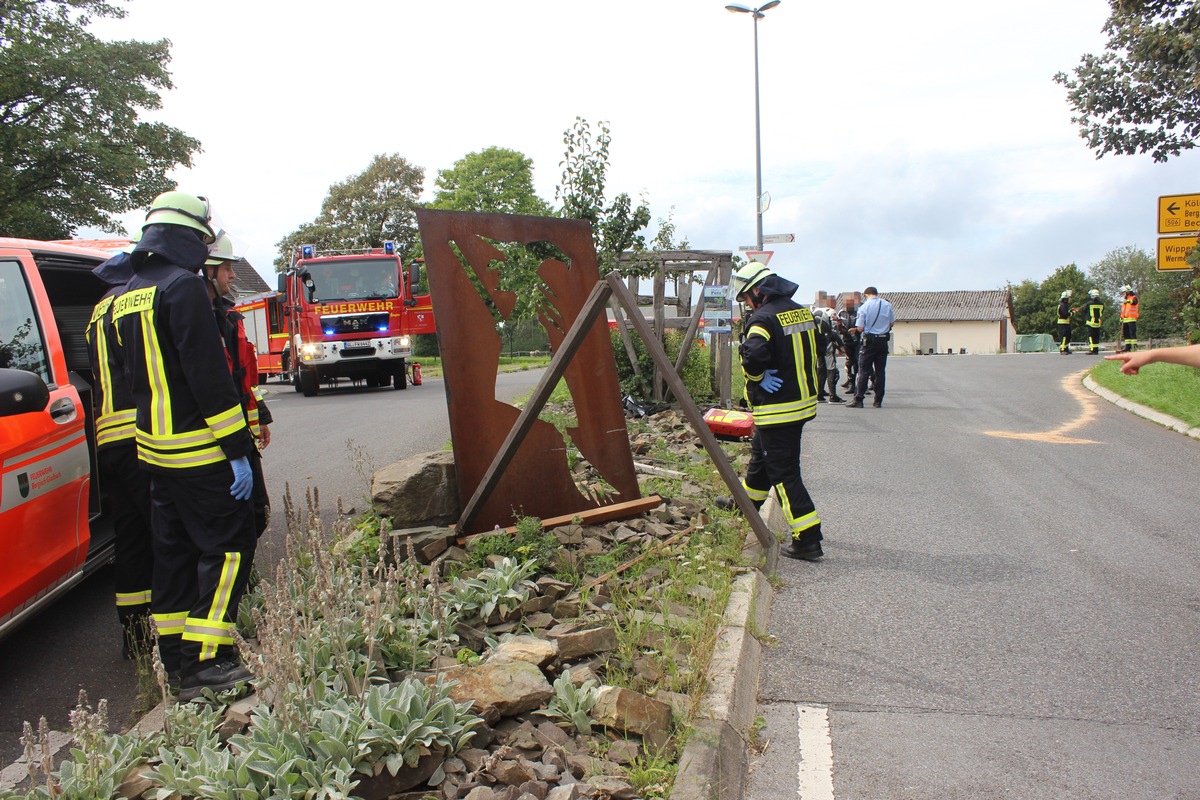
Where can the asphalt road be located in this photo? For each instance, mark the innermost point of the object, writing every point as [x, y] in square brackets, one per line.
[995, 617]
[332, 442]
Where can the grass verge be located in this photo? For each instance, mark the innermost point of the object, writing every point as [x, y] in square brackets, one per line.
[1169, 388]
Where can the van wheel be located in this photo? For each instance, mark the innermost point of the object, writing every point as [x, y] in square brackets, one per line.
[310, 384]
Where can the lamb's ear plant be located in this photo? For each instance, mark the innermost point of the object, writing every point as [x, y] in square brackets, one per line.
[572, 704]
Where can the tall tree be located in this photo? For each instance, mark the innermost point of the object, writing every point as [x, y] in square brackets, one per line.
[1156, 290]
[616, 227]
[72, 149]
[495, 180]
[1035, 305]
[365, 210]
[1140, 95]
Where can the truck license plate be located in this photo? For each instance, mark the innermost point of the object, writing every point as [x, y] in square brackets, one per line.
[358, 343]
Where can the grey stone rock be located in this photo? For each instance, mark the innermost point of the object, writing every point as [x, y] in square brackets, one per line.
[421, 490]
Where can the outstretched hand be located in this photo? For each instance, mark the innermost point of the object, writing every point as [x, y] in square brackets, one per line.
[1131, 362]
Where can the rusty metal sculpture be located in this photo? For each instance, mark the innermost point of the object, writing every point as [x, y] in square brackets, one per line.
[536, 481]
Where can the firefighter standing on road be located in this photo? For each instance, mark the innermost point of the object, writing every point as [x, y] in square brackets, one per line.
[193, 439]
[1094, 320]
[128, 486]
[1065, 310]
[243, 363]
[779, 359]
[1129, 318]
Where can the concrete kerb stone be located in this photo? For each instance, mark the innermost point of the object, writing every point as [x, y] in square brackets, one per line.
[715, 761]
[1166, 420]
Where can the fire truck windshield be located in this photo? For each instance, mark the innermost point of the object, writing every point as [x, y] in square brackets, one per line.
[354, 279]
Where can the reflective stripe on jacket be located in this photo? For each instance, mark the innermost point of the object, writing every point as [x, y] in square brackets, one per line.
[1129, 309]
[111, 396]
[781, 335]
[188, 414]
[1095, 314]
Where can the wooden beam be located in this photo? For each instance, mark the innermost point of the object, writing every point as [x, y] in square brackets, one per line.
[589, 516]
[765, 538]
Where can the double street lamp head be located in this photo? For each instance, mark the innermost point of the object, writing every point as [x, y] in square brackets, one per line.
[757, 12]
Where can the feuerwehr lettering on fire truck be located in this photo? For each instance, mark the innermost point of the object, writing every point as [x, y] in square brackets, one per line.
[27, 476]
[364, 307]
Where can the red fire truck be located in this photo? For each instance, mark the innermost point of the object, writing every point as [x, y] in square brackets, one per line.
[265, 329]
[351, 315]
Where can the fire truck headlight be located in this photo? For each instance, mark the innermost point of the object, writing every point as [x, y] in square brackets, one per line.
[311, 352]
[405, 342]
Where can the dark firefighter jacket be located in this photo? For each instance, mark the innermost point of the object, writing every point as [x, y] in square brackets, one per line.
[188, 412]
[111, 396]
[1095, 313]
[780, 335]
[1064, 311]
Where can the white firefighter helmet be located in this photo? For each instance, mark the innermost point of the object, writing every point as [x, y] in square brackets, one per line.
[1126, 289]
[222, 250]
[1065, 295]
[1093, 292]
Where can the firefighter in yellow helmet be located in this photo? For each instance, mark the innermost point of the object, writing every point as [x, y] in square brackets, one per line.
[193, 440]
[779, 359]
[1129, 318]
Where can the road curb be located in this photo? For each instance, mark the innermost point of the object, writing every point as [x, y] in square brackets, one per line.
[715, 761]
[1166, 420]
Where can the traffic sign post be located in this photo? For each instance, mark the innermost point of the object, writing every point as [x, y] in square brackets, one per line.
[1178, 213]
[1173, 252]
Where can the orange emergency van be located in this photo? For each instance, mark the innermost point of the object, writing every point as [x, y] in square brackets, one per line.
[52, 529]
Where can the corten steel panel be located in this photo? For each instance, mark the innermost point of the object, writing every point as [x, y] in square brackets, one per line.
[538, 482]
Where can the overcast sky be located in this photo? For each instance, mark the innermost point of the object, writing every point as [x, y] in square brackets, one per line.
[915, 146]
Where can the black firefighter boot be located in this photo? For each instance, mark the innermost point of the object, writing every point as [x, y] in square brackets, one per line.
[810, 552]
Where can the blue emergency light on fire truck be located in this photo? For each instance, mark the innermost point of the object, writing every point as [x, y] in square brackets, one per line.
[352, 314]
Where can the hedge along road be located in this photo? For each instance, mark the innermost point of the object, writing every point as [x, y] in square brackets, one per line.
[75, 644]
[1008, 602]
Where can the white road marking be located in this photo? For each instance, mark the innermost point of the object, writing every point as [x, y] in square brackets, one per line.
[815, 771]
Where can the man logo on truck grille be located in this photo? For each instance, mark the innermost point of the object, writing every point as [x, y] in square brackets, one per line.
[23, 484]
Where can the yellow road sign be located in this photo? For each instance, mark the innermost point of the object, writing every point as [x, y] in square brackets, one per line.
[1173, 251]
[1178, 213]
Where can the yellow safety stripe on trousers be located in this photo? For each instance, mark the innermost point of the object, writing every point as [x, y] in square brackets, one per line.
[785, 413]
[757, 495]
[1062, 321]
[133, 598]
[214, 631]
[115, 427]
[170, 624]
[797, 524]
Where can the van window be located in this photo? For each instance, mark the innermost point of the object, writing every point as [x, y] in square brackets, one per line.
[20, 335]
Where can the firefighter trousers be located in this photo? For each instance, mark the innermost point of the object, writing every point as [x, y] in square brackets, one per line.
[775, 461]
[1093, 339]
[1129, 334]
[127, 487]
[1064, 338]
[204, 544]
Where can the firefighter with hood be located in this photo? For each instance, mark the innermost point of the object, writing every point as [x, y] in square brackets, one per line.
[1129, 318]
[779, 360]
[126, 485]
[193, 439]
[243, 363]
[1065, 310]
[1094, 320]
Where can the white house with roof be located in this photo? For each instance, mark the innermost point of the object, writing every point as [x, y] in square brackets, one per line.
[937, 322]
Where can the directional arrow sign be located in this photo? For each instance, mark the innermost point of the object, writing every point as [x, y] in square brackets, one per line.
[1179, 213]
[779, 238]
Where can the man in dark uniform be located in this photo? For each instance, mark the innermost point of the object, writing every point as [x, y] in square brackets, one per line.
[875, 320]
[127, 485]
[194, 441]
[779, 359]
[1064, 322]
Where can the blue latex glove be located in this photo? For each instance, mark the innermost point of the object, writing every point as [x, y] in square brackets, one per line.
[769, 382]
[243, 478]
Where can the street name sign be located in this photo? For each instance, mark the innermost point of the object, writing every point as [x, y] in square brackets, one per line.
[1173, 251]
[1178, 213]
[779, 238]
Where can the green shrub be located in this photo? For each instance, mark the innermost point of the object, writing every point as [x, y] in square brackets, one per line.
[697, 373]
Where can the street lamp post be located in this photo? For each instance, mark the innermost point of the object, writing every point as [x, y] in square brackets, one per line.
[757, 14]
